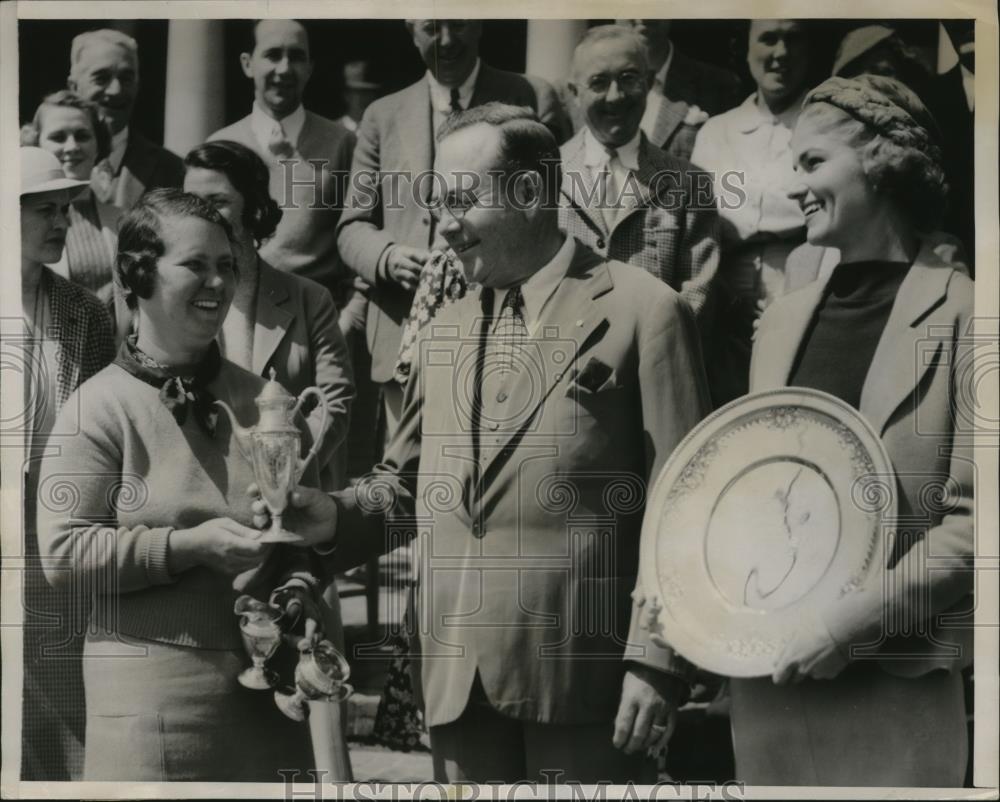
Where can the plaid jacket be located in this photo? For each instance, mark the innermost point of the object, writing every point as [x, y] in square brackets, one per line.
[83, 331]
[671, 229]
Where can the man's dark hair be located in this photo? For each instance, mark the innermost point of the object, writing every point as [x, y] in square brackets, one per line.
[140, 237]
[526, 145]
[251, 33]
[249, 176]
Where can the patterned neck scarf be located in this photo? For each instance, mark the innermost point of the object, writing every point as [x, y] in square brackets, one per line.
[179, 394]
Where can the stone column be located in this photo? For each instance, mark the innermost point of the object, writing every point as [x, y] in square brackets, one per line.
[195, 102]
[550, 47]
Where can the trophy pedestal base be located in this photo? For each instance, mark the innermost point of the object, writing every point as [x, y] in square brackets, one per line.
[280, 536]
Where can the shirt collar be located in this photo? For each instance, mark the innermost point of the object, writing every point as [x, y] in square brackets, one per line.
[118, 144]
[441, 95]
[539, 287]
[262, 124]
[597, 156]
[751, 115]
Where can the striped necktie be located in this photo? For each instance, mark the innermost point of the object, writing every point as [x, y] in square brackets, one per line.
[511, 331]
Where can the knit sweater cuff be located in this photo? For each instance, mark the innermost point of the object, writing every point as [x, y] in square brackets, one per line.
[153, 551]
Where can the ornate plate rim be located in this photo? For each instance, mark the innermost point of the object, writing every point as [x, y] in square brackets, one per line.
[704, 432]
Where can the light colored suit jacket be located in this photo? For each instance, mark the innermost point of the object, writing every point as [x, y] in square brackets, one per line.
[310, 195]
[527, 518]
[917, 396]
[296, 333]
[670, 229]
[396, 136]
[690, 85]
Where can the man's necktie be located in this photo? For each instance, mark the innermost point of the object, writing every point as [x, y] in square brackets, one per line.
[608, 192]
[456, 102]
[511, 331]
[278, 144]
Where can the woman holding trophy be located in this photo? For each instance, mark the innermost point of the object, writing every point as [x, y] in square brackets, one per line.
[859, 698]
[146, 510]
[278, 319]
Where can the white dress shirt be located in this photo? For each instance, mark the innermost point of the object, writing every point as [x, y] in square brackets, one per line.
[262, 124]
[119, 142]
[539, 287]
[441, 95]
[626, 160]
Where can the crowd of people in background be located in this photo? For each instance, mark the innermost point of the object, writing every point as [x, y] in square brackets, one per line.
[172, 281]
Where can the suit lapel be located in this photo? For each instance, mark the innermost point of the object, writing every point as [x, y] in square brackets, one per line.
[670, 115]
[578, 183]
[273, 318]
[70, 339]
[781, 343]
[901, 358]
[570, 314]
[637, 195]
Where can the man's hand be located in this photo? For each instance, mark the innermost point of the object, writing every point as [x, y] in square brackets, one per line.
[298, 603]
[403, 265]
[311, 514]
[647, 713]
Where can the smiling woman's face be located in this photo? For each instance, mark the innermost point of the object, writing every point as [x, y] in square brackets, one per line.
[838, 201]
[194, 285]
[68, 134]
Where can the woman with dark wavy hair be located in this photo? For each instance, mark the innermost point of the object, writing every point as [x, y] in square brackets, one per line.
[277, 320]
[145, 509]
[871, 693]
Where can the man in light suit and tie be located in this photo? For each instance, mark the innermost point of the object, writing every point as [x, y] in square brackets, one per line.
[540, 407]
[104, 68]
[308, 157]
[621, 195]
[683, 92]
[386, 243]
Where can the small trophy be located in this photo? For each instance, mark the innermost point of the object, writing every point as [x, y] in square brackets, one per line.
[272, 447]
[259, 625]
[321, 674]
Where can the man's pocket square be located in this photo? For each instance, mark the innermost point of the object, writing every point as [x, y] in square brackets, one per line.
[593, 378]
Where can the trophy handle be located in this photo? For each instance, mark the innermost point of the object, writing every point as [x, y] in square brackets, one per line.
[324, 422]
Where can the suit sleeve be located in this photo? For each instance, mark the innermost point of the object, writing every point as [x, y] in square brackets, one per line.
[699, 249]
[674, 399]
[332, 371]
[386, 497]
[360, 235]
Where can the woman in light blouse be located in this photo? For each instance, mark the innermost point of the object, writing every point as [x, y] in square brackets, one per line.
[748, 150]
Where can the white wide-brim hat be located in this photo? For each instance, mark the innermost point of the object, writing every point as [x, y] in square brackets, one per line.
[40, 172]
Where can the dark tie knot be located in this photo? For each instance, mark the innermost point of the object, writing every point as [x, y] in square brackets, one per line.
[514, 301]
[456, 102]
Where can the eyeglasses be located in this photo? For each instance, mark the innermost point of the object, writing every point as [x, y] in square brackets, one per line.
[457, 207]
[627, 82]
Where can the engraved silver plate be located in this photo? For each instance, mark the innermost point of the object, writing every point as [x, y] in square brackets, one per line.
[768, 512]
